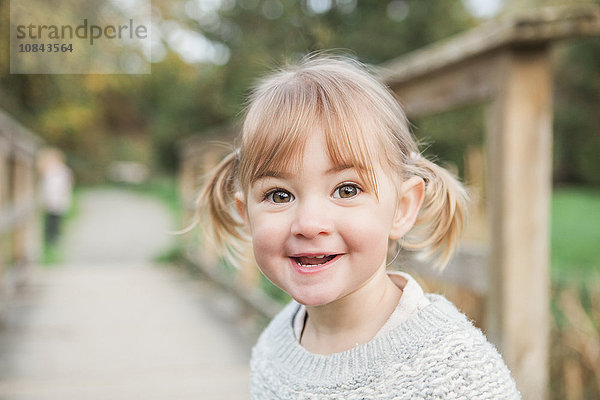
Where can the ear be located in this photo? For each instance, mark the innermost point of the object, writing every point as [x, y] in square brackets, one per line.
[411, 192]
[240, 205]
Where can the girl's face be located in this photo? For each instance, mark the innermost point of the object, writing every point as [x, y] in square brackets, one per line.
[316, 233]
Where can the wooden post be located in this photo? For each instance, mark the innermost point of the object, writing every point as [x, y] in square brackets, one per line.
[19, 198]
[4, 143]
[32, 226]
[520, 154]
[476, 230]
[3, 200]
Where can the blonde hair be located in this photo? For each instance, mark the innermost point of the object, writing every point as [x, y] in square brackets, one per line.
[362, 123]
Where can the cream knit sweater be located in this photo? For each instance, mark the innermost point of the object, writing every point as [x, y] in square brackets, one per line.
[436, 353]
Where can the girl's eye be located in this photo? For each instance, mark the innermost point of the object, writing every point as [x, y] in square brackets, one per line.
[279, 196]
[346, 191]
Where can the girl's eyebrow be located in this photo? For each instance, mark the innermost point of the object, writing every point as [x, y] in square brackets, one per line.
[339, 168]
[285, 175]
[272, 174]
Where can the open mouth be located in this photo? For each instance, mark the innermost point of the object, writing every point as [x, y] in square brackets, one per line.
[314, 261]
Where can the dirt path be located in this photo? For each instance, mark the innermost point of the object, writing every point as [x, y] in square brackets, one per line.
[108, 324]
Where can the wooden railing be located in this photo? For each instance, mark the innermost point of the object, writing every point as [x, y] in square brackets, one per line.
[19, 238]
[505, 65]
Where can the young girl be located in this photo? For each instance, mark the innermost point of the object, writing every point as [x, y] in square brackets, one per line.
[326, 177]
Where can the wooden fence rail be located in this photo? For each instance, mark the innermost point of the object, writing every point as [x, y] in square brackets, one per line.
[19, 241]
[505, 65]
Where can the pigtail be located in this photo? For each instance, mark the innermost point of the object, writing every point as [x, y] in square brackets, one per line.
[441, 219]
[216, 209]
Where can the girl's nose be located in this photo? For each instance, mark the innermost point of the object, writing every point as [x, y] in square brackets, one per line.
[311, 220]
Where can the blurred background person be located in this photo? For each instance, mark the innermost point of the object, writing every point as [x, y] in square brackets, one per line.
[56, 192]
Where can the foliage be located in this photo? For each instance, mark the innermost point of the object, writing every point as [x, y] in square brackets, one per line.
[445, 137]
[575, 235]
[575, 342]
[577, 142]
[100, 118]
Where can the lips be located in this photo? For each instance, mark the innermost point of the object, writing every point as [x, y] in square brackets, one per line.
[308, 264]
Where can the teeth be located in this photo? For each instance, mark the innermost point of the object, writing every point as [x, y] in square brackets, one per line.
[312, 260]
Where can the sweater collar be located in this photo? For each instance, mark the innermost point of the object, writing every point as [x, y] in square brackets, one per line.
[281, 346]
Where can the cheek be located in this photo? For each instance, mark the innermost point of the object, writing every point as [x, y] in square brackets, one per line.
[368, 233]
[268, 243]
[369, 238]
[268, 234]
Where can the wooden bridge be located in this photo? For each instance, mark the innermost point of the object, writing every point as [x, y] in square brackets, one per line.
[19, 244]
[106, 323]
[118, 327]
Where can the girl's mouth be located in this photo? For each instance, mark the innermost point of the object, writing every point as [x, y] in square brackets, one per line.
[312, 261]
[314, 264]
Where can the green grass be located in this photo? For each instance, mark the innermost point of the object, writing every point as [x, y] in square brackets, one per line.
[575, 239]
[51, 255]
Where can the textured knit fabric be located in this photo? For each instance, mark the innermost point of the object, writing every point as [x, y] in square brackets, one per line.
[434, 354]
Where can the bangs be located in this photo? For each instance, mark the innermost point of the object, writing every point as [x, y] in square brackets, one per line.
[287, 110]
